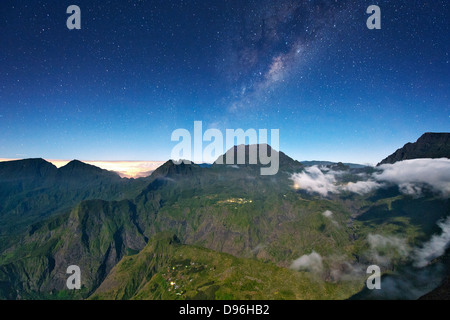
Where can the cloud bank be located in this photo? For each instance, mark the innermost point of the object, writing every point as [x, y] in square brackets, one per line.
[435, 247]
[420, 256]
[361, 187]
[313, 180]
[412, 177]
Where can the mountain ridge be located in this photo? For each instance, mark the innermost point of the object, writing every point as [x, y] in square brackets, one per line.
[429, 145]
[34, 189]
[217, 214]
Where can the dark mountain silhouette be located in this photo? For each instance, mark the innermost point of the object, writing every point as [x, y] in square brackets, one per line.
[254, 153]
[429, 145]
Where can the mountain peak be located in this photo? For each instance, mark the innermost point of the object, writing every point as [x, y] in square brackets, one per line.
[33, 167]
[77, 167]
[77, 164]
[429, 145]
[170, 168]
[254, 150]
[27, 161]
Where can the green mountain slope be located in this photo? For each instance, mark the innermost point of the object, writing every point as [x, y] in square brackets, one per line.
[230, 210]
[229, 218]
[165, 269]
[94, 236]
[34, 189]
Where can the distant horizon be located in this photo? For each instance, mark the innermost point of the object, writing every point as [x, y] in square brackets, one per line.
[128, 168]
[125, 169]
[62, 162]
[139, 168]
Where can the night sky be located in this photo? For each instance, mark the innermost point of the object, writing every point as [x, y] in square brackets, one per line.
[137, 70]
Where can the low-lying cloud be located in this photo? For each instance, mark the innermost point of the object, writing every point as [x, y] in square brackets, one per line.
[313, 180]
[361, 187]
[328, 214]
[435, 247]
[412, 177]
[311, 262]
[420, 256]
[385, 248]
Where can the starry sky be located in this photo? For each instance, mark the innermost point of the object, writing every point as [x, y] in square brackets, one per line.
[137, 70]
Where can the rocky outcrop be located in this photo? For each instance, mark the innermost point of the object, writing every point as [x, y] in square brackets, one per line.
[430, 145]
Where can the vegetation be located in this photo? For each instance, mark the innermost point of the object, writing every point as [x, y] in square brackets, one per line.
[214, 232]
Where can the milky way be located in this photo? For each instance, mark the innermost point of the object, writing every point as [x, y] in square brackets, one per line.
[275, 40]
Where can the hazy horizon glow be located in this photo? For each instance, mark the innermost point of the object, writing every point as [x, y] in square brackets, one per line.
[132, 169]
[126, 169]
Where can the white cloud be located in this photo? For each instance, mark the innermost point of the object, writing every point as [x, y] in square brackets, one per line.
[361, 187]
[435, 247]
[343, 270]
[384, 248]
[420, 256]
[323, 181]
[312, 179]
[412, 175]
[377, 241]
[311, 262]
[328, 214]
